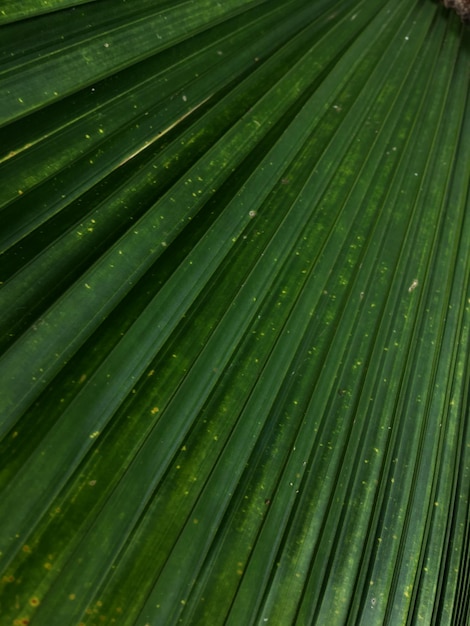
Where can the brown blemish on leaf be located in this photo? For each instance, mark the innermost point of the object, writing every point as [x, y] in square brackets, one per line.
[461, 7]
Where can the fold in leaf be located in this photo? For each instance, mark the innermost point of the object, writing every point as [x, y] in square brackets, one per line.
[235, 268]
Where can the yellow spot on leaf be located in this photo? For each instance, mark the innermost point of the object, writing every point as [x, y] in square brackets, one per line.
[8, 579]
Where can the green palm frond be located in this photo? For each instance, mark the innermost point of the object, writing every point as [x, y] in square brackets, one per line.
[235, 313]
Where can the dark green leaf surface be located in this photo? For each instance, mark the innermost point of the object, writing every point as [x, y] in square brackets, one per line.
[235, 313]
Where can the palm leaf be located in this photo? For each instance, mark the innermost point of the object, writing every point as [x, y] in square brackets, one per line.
[235, 313]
